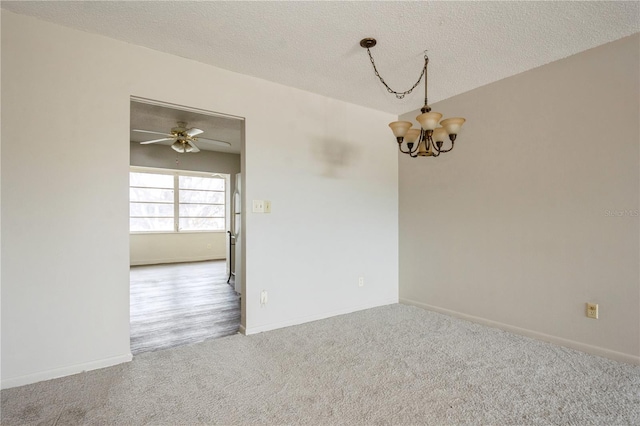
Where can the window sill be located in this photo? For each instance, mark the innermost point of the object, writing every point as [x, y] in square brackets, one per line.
[174, 232]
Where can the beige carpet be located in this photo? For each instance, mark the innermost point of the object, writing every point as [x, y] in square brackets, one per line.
[391, 365]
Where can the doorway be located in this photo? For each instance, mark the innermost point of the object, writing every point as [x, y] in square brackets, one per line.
[184, 162]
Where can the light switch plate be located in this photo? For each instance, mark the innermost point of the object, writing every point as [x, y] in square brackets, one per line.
[267, 206]
[258, 206]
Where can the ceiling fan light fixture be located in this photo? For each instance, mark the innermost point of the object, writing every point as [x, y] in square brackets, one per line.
[179, 147]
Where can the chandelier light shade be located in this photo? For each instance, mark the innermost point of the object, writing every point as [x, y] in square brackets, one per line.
[428, 140]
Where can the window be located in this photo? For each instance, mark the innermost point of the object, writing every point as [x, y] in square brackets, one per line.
[166, 201]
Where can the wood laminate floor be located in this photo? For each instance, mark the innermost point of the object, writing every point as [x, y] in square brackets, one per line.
[179, 304]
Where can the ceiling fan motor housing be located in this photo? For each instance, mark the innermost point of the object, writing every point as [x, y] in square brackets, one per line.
[181, 128]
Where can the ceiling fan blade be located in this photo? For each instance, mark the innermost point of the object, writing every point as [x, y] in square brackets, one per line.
[194, 132]
[195, 148]
[151, 132]
[222, 143]
[156, 140]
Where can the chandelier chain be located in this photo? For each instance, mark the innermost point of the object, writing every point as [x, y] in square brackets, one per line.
[398, 95]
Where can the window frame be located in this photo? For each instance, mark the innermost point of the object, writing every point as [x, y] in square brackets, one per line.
[176, 198]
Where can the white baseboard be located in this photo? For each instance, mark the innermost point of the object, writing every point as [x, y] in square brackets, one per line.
[583, 347]
[316, 317]
[174, 260]
[64, 371]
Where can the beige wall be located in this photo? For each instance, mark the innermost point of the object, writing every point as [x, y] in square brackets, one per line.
[535, 212]
[145, 249]
[172, 247]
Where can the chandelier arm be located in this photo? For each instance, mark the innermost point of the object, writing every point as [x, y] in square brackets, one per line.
[435, 148]
[447, 150]
[424, 138]
[416, 146]
[452, 138]
[411, 149]
[400, 95]
[434, 151]
[403, 151]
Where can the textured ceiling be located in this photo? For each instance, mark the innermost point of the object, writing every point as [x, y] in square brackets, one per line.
[314, 45]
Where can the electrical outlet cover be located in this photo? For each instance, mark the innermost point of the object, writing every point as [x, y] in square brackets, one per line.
[592, 310]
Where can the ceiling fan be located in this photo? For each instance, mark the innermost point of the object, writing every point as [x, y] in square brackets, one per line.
[183, 137]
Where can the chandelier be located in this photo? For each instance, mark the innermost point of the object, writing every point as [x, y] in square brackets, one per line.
[427, 141]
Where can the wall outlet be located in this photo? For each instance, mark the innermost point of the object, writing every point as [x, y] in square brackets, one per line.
[361, 282]
[263, 298]
[592, 310]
